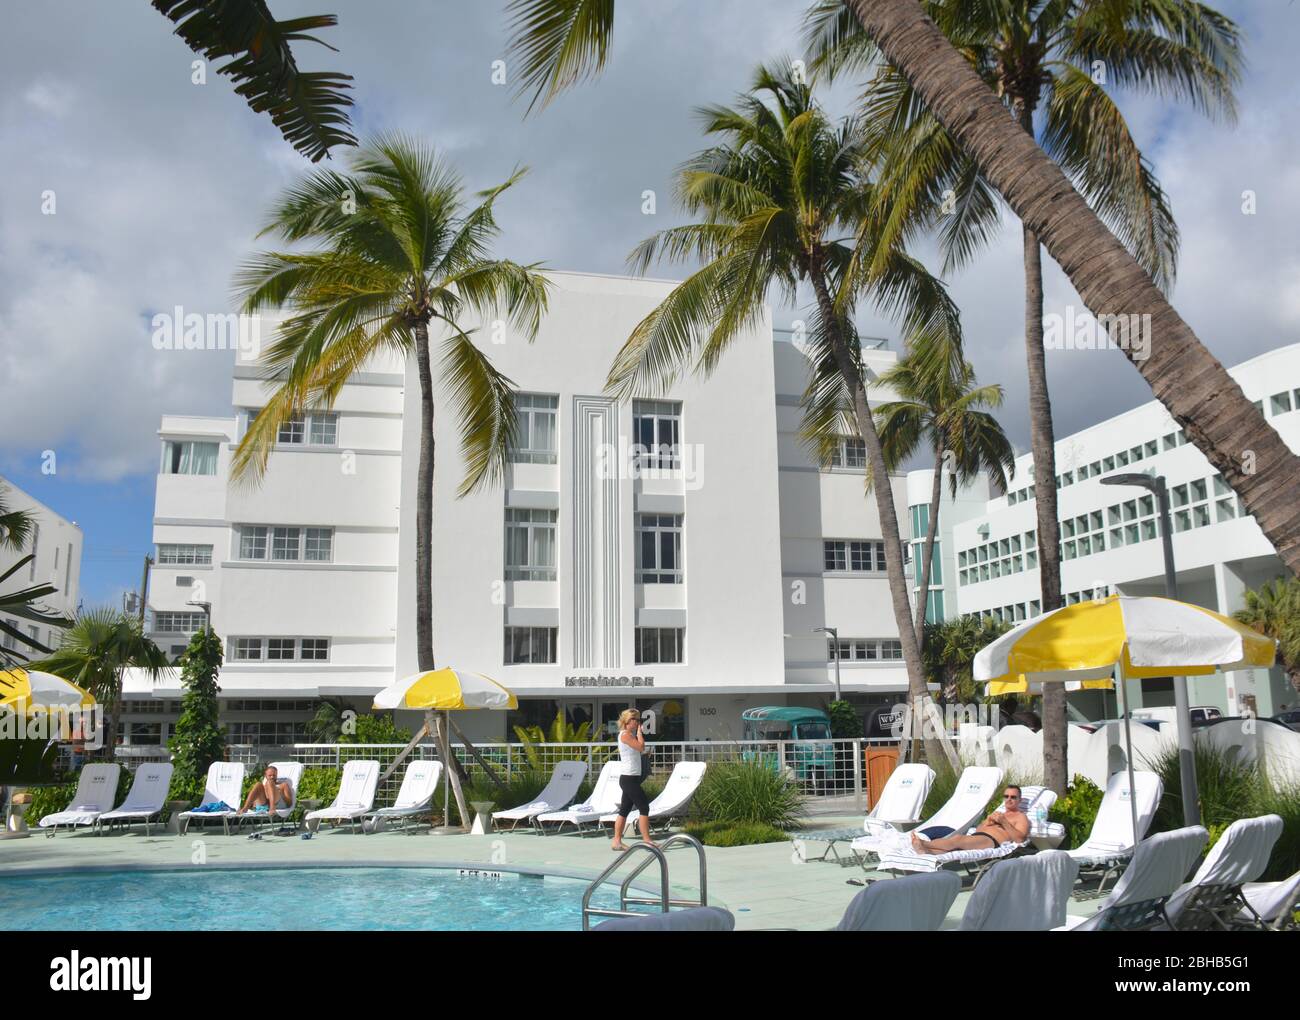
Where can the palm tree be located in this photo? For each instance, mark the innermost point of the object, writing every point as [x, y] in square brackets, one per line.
[945, 410]
[309, 108]
[950, 650]
[1273, 609]
[1039, 58]
[16, 527]
[396, 248]
[775, 198]
[96, 649]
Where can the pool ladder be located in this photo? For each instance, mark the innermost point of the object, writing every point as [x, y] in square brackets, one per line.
[664, 899]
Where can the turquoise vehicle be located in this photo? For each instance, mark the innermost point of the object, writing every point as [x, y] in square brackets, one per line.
[810, 755]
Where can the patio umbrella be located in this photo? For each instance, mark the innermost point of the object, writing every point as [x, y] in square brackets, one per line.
[1124, 636]
[445, 690]
[22, 690]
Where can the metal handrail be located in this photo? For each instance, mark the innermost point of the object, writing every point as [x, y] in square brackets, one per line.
[682, 838]
[588, 911]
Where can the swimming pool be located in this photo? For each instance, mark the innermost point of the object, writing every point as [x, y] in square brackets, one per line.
[292, 899]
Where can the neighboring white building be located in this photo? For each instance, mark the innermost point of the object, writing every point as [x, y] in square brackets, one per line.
[56, 542]
[594, 578]
[1110, 535]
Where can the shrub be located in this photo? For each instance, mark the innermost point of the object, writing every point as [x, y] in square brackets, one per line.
[197, 741]
[748, 791]
[375, 729]
[725, 834]
[1077, 810]
[1283, 801]
[941, 790]
[845, 723]
[1227, 787]
[320, 784]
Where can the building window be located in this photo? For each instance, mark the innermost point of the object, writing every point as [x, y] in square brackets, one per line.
[184, 555]
[285, 544]
[656, 431]
[318, 545]
[279, 649]
[857, 556]
[317, 428]
[292, 431]
[659, 548]
[252, 543]
[848, 452]
[177, 623]
[867, 650]
[246, 649]
[660, 644]
[536, 428]
[186, 457]
[530, 544]
[530, 645]
[324, 429]
[315, 649]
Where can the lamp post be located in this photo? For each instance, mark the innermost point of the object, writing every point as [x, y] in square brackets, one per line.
[1186, 760]
[834, 634]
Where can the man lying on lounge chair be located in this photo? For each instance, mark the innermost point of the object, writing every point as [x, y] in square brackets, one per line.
[1010, 825]
[271, 793]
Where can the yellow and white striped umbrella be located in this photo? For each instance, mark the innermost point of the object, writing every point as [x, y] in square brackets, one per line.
[446, 690]
[1143, 636]
[25, 690]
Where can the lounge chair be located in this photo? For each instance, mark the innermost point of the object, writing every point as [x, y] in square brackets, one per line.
[975, 788]
[974, 862]
[415, 796]
[691, 919]
[1110, 843]
[1213, 899]
[286, 771]
[1025, 894]
[1137, 903]
[1274, 903]
[604, 799]
[224, 785]
[683, 781]
[915, 903]
[355, 798]
[95, 793]
[145, 800]
[899, 807]
[559, 793]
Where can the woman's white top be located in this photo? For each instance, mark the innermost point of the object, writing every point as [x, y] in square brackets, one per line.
[629, 758]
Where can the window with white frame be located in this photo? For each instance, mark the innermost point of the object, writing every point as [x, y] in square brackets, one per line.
[536, 428]
[848, 452]
[314, 428]
[867, 650]
[285, 544]
[530, 544]
[659, 548]
[188, 457]
[525, 645]
[279, 649]
[323, 428]
[660, 644]
[861, 556]
[168, 622]
[252, 542]
[183, 554]
[656, 431]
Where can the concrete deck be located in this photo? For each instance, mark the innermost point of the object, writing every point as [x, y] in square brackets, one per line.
[765, 886]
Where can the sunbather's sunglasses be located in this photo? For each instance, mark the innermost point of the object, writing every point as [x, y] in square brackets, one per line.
[1011, 796]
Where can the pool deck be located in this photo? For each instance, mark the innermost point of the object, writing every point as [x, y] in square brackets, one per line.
[765, 886]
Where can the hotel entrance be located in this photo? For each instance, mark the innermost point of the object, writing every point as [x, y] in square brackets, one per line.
[662, 718]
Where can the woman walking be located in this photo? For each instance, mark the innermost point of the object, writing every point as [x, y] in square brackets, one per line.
[631, 745]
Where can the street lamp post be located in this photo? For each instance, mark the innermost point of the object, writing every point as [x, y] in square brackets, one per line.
[834, 634]
[1186, 760]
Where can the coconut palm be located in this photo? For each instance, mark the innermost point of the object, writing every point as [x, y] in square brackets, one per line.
[774, 200]
[16, 527]
[1273, 609]
[946, 411]
[395, 248]
[950, 649]
[98, 646]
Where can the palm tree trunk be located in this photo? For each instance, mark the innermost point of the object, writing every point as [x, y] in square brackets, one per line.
[1191, 383]
[927, 550]
[935, 745]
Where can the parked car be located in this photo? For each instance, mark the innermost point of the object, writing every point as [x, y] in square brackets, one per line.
[1289, 718]
[811, 756]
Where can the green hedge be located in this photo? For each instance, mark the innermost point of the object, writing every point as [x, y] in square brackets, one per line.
[726, 834]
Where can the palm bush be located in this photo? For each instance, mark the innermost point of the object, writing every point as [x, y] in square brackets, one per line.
[1227, 786]
[745, 791]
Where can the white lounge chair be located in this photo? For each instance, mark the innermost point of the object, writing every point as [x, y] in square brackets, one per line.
[1274, 903]
[691, 919]
[683, 781]
[286, 771]
[224, 785]
[604, 799]
[975, 788]
[95, 793]
[976, 861]
[1137, 903]
[899, 807]
[915, 903]
[559, 793]
[1213, 898]
[355, 798]
[145, 800]
[1024, 894]
[1111, 841]
[415, 797]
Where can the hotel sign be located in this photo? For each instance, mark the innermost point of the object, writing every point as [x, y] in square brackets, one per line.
[609, 681]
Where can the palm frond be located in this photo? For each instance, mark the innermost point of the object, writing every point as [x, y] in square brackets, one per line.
[483, 399]
[558, 43]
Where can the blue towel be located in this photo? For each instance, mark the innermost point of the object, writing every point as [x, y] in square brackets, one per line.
[260, 809]
[216, 806]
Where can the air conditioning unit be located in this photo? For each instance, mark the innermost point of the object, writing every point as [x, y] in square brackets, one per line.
[184, 582]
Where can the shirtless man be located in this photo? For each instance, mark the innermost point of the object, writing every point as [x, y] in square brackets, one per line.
[272, 791]
[1011, 825]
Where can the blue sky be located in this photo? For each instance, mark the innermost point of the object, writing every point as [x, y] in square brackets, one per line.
[161, 185]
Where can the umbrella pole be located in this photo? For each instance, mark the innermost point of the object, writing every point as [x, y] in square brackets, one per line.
[1128, 741]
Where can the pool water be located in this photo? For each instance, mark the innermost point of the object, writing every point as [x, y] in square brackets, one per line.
[330, 899]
